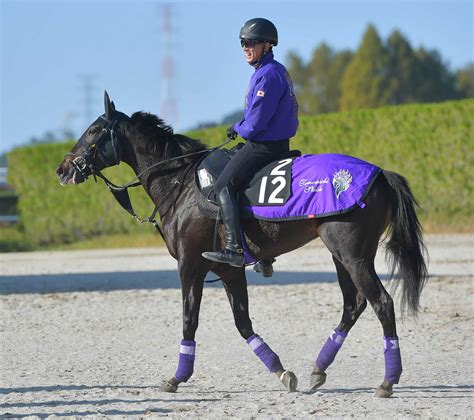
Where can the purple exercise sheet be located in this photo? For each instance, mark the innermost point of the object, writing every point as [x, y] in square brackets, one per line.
[322, 185]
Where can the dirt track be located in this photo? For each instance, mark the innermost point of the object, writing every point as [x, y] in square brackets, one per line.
[94, 333]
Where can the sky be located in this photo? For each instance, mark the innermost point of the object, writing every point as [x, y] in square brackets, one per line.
[49, 49]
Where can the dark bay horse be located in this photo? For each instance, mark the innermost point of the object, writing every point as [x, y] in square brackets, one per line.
[164, 164]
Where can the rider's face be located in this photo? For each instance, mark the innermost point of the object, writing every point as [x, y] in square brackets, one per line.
[252, 52]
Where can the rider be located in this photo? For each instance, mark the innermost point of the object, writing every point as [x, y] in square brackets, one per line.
[270, 119]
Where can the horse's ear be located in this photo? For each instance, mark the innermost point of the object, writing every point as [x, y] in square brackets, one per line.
[109, 106]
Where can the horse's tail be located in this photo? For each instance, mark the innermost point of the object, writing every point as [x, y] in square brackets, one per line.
[405, 248]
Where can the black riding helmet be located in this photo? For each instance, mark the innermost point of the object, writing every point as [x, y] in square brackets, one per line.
[259, 29]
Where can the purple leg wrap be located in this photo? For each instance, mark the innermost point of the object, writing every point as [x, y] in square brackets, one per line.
[265, 353]
[328, 352]
[393, 360]
[187, 352]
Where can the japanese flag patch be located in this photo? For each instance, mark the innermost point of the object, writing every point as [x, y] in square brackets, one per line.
[260, 93]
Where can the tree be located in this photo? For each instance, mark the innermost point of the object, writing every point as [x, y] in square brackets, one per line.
[339, 64]
[434, 81]
[366, 82]
[297, 71]
[378, 73]
[314, 100]
[465, 81]
[317, 84]
[402, 69]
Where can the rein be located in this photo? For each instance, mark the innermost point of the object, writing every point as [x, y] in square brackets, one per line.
[121, 192]
[123, 198]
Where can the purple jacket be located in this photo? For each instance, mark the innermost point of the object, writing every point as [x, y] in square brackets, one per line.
[271, 110]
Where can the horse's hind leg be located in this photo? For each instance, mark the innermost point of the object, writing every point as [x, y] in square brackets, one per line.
[235, 285]
[382, 304]
[354, 305]
[355, 246]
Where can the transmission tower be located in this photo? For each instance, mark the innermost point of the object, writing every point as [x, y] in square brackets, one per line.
[88, 90]
[168, 108]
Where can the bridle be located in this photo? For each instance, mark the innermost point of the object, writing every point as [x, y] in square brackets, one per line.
[84, 164]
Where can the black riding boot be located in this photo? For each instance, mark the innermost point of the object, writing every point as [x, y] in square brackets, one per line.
[232, 253]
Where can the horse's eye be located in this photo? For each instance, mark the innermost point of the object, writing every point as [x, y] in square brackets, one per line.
[94, 130]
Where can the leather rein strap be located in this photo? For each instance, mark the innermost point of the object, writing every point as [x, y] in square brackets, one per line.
[123, 198]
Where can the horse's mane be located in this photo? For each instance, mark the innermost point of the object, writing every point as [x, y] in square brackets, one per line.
[157, 138]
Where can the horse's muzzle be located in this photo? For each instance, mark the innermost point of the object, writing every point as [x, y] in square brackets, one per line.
[68, 173]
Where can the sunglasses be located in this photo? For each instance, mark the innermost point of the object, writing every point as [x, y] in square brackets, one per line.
[249, 43]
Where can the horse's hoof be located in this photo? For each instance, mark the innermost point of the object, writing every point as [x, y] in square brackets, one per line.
[166, 386]
[383, 393]
[290, 380]
[265, 267]
[317, 380]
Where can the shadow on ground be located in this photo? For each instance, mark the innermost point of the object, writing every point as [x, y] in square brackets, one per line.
[132, 280]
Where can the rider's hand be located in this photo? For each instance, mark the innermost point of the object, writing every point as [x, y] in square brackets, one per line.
[231, 133]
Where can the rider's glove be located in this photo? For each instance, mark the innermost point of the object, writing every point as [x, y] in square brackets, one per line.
[231, 133]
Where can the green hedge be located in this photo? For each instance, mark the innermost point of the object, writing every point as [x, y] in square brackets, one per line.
[431, 145]
[50, 213]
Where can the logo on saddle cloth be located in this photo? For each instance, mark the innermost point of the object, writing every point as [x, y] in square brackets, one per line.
[341, 181]
[304, 187]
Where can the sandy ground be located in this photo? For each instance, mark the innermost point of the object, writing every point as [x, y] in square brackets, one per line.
[94, 333]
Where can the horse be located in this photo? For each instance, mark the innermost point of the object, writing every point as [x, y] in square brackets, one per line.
[164, 161]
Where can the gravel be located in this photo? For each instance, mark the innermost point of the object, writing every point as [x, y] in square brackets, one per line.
[93, 333]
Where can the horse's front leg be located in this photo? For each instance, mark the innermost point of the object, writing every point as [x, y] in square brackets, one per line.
[235, 285]
[192, 279]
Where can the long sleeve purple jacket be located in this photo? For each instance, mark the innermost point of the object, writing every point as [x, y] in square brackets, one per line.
[271, 110]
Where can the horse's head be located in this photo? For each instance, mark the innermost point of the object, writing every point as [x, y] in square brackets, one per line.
[99, 147]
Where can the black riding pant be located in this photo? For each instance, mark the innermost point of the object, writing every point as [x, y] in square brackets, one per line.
[252, 157]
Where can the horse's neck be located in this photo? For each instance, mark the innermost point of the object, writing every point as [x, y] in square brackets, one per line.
[159, 181]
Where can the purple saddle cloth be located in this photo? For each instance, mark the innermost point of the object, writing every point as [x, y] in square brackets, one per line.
[321, 185]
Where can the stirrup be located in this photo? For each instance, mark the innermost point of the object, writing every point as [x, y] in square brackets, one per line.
[226, 256]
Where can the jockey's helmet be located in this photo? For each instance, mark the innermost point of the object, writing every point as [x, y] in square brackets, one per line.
[259, 29]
